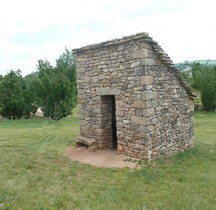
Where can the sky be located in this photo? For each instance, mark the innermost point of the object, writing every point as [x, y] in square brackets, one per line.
[41, 29]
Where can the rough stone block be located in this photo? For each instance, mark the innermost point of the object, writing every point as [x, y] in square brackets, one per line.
[142, 53]
[95, 79]
[150, 112]
[139, 104]
[139, 120]
[139, 88]
[103, 144]
[146, 80]
[90, 143]
[123, 143]
[119, 147]
[148, 61]
[134, 64]
[149, 94]
[80, 70]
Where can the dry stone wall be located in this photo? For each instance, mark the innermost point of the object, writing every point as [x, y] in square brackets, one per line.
[153, 103]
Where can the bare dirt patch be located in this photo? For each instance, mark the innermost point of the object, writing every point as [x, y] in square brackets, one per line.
[100, 158]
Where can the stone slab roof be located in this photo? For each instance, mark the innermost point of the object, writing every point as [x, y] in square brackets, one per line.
[163, 57]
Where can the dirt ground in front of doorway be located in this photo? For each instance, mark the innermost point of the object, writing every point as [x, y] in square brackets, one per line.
[100, 158]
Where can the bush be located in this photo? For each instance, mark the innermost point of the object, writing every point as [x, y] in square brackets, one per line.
[204, 79]
[58, 92]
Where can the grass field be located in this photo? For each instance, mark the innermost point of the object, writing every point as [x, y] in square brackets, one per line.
[35, 175]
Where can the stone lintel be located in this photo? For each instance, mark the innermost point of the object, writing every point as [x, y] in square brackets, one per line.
[107, 91]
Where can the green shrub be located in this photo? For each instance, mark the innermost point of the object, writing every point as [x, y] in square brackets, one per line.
[204, 79]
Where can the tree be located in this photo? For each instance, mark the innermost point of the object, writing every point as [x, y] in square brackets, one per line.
[58, 86]
[1, 96]
[66, 65]
[197, 69]
[208, 88]
[204, 79]
[30, 91]
[12, 98]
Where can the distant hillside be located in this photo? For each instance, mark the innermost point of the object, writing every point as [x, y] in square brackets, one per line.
[33, 74]
[187, 65]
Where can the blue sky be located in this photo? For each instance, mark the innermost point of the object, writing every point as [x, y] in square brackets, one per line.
[33, 30]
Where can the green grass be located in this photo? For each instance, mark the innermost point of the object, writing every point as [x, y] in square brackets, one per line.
[35, 175]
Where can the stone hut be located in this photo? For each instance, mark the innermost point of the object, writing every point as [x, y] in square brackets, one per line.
[133, 98]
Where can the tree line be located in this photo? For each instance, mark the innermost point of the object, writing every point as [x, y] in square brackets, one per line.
[52, 88]
[203, 79]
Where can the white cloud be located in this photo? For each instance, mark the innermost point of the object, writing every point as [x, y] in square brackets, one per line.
[32, 30]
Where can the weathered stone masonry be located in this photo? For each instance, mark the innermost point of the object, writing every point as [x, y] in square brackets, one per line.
[134, 78]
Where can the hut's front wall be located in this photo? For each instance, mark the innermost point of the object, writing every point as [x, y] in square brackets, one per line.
[153, 114]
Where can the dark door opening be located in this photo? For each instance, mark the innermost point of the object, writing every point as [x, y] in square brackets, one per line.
[114, 129]
[108, 122]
